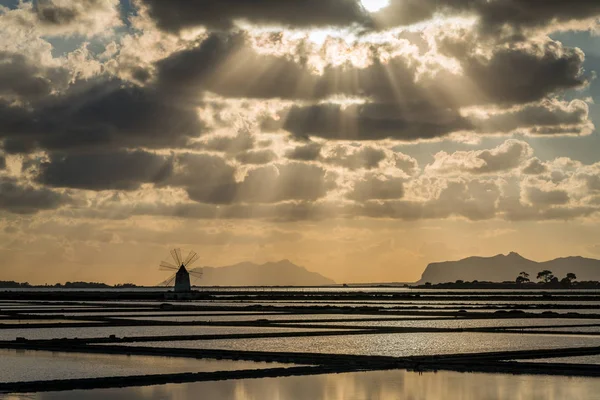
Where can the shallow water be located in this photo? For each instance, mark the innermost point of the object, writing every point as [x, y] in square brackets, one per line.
[375, 385]
[128, 331]
[569, 360]
[270, 317]
[43, 321]
[583, 329]
[395, 344]
[467, 323]
[20, 365]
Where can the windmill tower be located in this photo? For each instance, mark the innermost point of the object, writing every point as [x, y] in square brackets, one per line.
[181, 274]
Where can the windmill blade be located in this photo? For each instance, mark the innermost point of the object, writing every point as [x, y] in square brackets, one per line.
[167, 266]
[195, 277]
[196, 274]
[191, 259]
[170, 280]
[191, 255]
[176, 254]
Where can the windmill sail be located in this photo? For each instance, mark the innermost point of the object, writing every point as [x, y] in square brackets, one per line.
[176, 254]
[167, 266]
[191, 256]
[191, 260]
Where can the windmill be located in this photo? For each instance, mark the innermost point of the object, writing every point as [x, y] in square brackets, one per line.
[180, 273]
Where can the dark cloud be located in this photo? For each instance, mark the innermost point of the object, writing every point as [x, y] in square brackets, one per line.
[373, 187]
[178, 14]
[100, 115]
[229, 144]
[513, 210]
[73, 16]
[206, 178]
[371, 121]
[406, 163]
[283, 182]
[256, 157]
[516, 15]
[521, 74]
[209, 179]
[367, 157]
[505, 157]
[474, 200]
[572, 117]
[534, 167]
[538, 196]
[22, 79]
[507, 16]
[49, 12]
[119, 170]
[21, 198]
[523, 14]
[592, 181]
[226, 64]
[307, 152]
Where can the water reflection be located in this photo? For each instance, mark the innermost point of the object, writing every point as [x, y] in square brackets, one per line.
[383, 385]
[26, 365]
[392, 344]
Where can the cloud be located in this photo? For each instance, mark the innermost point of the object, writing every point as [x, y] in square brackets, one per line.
[511, 17]
[547, 117]
[538, 196]
[406, 163]
[515, 74]
[474, 200]
[506, 157]
[22, 198]
[283, 182]
[118, 170]
[256, 157]
[100, 115]
[307, 152]
[243, 141]
[206, 178]
[178, 14]
[354, 157]
[375, 187]
[22, 79]
[228, 65]
[66, 17]
[371, 122]
[209, 179]
[534, 167]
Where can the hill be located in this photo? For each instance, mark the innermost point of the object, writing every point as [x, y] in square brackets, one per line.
[281, 273]
[501, 268]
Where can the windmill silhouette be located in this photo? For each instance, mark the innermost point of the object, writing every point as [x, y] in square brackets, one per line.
[181, 275]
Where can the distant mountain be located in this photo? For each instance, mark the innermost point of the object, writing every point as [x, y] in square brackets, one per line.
[501, 268]
[281, 273]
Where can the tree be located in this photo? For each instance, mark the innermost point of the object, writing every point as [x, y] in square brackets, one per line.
[567, 281]
[522, 278]
[545, 276]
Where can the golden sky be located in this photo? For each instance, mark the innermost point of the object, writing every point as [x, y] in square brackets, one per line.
[359, 139]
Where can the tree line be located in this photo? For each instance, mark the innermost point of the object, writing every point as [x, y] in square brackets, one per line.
[547, 277]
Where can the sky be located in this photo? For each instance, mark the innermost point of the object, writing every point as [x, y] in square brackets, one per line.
[359, 139]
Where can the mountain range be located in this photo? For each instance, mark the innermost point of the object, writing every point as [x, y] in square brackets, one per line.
[281, 273]
[502, 268]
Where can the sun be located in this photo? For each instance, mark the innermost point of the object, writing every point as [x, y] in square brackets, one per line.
[374, 5]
